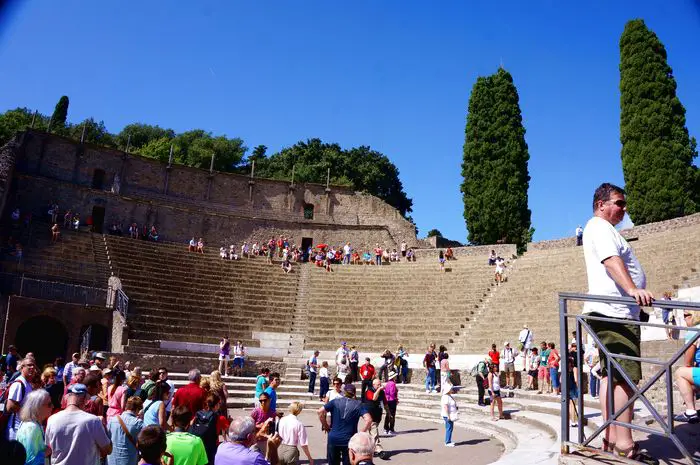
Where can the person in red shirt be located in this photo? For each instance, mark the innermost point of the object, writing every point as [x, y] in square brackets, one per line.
[366, 373]
[495, 355]
[191, 396]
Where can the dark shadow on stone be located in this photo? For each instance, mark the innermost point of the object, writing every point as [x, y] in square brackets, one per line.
[471, 442]
[392, 453]
[412, 431]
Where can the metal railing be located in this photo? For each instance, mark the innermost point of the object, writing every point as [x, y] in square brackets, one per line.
[51, 290]
[613, 363]
[121, 303]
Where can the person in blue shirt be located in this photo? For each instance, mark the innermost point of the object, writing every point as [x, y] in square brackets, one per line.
[345, 413]
[260, 384]
[271, 390]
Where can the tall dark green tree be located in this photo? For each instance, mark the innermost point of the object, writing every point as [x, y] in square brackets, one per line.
[657, 152]
[60, 114]
[495, 168]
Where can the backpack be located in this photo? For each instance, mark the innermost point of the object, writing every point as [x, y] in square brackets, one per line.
[204, 426]
[5, 416]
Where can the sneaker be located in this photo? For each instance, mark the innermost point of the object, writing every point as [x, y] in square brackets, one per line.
[573, 424]
[450, 444]
[427, 391]
[684, 417]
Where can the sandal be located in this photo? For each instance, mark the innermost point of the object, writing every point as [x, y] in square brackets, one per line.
[634, 453]
[608, 446]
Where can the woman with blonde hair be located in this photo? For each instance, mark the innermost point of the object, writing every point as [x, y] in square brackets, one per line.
[218, 387]
[293, 434]
[36, 409]
[54, 388]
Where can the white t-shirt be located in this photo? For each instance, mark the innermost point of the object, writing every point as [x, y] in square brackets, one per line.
[75, 438]
[525, 337]
[447, 405]
[499, 265]
[17, 394]
[346, 249]
[600, 241]
[323, 372]
[340, 354]
[333, 394]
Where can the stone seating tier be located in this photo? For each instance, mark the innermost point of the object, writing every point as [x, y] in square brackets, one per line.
[176, 295]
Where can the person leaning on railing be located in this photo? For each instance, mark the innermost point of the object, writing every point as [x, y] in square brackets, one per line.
[688, 376]
[613, 270]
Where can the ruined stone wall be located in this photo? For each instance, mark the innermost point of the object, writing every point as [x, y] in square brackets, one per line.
[183, 201]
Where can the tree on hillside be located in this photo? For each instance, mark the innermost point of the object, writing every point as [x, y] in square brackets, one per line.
[258, 153]
[495, 167]
[95, 133]
[360, 168]
[19, 119]
[60, 114]
[434, 232]
[137, 135]
[657, 152]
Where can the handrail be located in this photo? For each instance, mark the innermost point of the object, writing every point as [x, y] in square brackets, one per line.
[667, 426]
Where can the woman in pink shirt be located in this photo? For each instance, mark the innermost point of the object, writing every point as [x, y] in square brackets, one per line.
[116, 398]
[293, 434]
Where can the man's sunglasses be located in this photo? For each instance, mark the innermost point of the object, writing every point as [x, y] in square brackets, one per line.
[620, 203]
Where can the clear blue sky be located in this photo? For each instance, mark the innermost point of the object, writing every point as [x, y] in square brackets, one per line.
[395, 75]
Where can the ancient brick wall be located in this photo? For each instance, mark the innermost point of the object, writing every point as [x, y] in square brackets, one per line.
[183, 201]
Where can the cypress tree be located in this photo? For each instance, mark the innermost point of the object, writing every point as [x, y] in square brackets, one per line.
[657, 152]
[495, 164]
[60, 113]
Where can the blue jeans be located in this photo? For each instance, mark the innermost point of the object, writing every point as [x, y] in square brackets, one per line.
[430, 379]
[337, 454]
[312, 382]
[593, 385]
[346, 259]
[449, 426]
[378, 259]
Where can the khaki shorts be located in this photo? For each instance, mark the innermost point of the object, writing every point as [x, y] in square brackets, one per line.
[509, 367]
[619, 338]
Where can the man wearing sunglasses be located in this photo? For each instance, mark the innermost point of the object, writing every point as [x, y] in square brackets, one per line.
[613, 270]
[18, 391]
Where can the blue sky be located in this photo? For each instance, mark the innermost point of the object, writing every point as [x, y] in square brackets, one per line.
[394, 75]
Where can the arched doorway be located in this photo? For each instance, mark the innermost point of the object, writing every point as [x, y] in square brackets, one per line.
[46, 337]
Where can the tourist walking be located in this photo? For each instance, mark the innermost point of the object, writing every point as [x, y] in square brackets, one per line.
[154, 412]
[205, 424]
[402, 356]
[293, 436]
[495, 392]
[429, 361]
[354, 358]
[449, 411]
[74, 436]
[509, 365]
[36, 409]
[186, 448]
[123, 429]
[375, 399]
[345, 411]
[261, 382]
[191, 395]
[218, 387]
[392, 399]
[324, 381]
[444, 370]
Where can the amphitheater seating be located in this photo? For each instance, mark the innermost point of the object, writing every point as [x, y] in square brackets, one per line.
[402, 303]
[535, 279]
[178, 295]
[73, 259]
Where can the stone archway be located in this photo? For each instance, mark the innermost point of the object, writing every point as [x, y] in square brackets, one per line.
[43, 335]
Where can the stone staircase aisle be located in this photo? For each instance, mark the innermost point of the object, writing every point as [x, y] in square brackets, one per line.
[300, 323]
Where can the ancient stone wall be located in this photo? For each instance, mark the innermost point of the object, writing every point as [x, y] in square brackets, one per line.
[504, 250]
[183, 201]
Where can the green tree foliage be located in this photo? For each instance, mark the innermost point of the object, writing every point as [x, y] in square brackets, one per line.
[95, 133]
[434, 232]
[657, 152]
[60, 115]
[495, 164]
[19, 119]
[258, 153]
[138, 135]
[361, 168]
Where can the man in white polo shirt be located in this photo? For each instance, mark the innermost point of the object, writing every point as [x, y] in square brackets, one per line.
[613, 270]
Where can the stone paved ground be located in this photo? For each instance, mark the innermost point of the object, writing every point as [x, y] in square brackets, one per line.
[416, 442]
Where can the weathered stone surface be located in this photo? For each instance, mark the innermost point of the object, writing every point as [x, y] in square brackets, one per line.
[52, 168]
